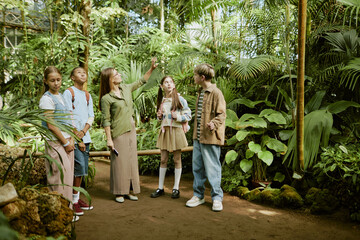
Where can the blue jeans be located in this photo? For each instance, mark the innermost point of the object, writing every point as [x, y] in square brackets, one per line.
[206, 164]
[81, 161]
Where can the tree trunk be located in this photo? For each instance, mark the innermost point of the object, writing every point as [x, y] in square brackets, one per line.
[213, 20]
[60, 28]
[162, 20]
[300, 83]
[112, 27]
[287, 56]
[85, 10]
[2, 47]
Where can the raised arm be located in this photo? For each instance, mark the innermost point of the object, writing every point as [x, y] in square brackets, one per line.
[153, 66]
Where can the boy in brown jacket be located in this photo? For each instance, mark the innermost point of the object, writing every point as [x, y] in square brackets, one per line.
[208, 136]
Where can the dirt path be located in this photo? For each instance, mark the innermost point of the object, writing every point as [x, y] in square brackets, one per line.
[166, 218]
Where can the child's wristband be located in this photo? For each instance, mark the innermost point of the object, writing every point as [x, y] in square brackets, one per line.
[66, 144]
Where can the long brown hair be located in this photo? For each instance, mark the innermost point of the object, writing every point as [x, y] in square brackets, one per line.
[47, 71]
[176, 104]
[105, 85]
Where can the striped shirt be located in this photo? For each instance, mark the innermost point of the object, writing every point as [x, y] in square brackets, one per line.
[198, 113]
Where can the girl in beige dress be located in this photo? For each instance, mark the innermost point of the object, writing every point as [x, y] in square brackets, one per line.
[174, 114]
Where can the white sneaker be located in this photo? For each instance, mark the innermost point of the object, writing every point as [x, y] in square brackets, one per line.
[120, 199]
[75, 218]
[132, 197]
[195, 201]
[217, 206]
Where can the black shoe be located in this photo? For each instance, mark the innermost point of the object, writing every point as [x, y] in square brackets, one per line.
[175, 193]
[157, 193]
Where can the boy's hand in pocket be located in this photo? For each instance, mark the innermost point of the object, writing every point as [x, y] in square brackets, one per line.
[82, 146]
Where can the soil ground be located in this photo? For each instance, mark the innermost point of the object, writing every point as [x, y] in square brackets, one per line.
[167, 218]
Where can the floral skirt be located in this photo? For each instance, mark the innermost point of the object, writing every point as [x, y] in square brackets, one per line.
[172, 140]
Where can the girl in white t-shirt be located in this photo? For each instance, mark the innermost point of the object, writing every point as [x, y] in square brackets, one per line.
[60, 145]
[174, 113]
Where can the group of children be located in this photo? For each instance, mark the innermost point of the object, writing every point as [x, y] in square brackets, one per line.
[117, 110]
[72, 154]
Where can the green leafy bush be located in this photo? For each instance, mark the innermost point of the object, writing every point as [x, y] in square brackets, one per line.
[255, 143]
[339, 171]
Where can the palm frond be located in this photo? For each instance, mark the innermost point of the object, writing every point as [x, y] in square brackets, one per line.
[251, 68]
[350, 74]
[352, 10]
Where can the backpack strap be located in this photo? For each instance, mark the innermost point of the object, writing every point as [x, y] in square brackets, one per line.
[87, 95]
[73, 96]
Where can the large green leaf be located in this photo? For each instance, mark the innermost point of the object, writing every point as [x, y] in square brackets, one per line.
[266, 156]
[230, 156]
[241, 135]
[317, 128]
[246, 165]
[252, 120]
[315, 102]
[247, 102]
[279, 177]
[275, 145]
[254, 147]
[273, 116]
[285, 134]
[229, 123]
[249, 154]
[230, 114]
[340, 106]
[231, 140]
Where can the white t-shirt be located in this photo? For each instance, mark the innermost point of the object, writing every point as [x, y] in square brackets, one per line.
[47, 103]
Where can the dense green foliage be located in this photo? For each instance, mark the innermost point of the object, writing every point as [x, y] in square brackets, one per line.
[251, 44]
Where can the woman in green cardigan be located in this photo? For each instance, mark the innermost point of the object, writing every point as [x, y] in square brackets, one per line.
[116, 105]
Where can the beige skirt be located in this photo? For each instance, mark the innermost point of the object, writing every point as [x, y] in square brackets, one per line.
[66, 161]
[172, 140]
[124, 169]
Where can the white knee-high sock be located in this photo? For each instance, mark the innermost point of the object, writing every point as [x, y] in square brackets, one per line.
[177, 178]
[76, 197]
[162, 172]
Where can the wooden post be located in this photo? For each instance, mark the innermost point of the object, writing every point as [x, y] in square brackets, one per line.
[107, 153]
[300, 83]
[85, 10]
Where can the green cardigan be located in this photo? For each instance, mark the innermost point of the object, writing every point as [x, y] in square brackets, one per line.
[118, 112]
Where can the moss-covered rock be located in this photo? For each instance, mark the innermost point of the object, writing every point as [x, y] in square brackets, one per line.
[241, 191]
[289, 198]
[253, 195]
[321, 201]
[14, 210]
[41, 214]
[49, 207]
[270, 196]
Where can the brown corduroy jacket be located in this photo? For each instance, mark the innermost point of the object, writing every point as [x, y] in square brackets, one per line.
[214, 110]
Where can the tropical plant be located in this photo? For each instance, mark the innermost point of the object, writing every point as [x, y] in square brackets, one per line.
[339, 171]
[318, 124]
[6, 231]
[255, 140]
